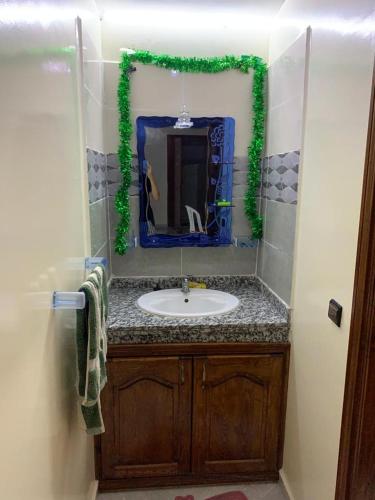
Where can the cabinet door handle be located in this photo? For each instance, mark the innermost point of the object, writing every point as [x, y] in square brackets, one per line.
[182, 373]
[204, 376]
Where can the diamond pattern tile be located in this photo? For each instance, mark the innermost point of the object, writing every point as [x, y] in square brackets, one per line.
[97, 175]
[281, 170]
[290, 178]
[280, 177]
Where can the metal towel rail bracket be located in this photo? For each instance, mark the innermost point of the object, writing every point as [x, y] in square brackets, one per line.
[76, 300]
[68, 300]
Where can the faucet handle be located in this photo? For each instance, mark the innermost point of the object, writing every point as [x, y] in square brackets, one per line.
[185, 285]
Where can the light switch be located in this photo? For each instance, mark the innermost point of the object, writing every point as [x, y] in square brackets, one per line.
[335, 312]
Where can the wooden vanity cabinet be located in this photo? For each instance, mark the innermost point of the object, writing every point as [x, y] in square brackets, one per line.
[185, 414]
[147, 415]
[236, 414]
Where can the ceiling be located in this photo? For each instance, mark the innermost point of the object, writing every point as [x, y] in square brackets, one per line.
[258, 7]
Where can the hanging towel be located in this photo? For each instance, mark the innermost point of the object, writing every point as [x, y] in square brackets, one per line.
[91, 344]
[98, 278]
[99, 271]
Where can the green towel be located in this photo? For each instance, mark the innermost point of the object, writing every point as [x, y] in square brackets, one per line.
[99, 272]
[91, 344]
[98, 278]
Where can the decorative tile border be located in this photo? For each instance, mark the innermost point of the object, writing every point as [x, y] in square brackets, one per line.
[280, 177]
[97, 175]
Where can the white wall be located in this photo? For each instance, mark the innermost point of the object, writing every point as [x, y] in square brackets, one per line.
[44, 454]
[190, 28]
[338, 96]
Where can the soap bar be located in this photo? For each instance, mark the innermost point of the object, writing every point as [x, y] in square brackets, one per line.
[194, 284]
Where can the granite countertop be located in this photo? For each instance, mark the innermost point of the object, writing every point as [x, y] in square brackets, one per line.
[260, 317]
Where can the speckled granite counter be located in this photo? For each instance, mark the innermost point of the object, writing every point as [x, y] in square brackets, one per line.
[260, 317]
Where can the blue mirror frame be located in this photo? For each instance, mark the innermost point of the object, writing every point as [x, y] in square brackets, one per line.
[221, 139]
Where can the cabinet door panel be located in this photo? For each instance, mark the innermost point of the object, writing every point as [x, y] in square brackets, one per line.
[147, 414]
[237, 412]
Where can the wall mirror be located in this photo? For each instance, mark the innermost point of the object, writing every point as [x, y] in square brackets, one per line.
[185, 179]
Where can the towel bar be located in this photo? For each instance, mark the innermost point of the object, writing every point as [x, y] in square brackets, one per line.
[76, 300]
[91, 262]
[68, 300]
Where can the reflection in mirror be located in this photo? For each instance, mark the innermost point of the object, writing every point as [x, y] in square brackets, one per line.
[186, 181]
[183, 173]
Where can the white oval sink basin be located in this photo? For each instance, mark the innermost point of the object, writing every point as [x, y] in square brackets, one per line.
[198, 302]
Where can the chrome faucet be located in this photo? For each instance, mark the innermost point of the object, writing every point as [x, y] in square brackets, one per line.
[185, 286]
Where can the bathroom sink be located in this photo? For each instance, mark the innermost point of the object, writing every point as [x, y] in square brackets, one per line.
[198, 302]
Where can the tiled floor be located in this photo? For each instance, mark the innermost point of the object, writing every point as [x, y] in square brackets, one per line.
[256, 491]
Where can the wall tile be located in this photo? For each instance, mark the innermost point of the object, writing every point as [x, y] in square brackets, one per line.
[218, 260]
[148, 262]
[93, 74]
[239, 184]
[113, 188]
[284, 131]
[93, 121]
[240, 169]
[114, 216]
[262, 206]
[114, 175]
[279, 225]
[98, 225]
[280, 179]
[105, 252]
[110, 124]
[180, 261]
[278, 207]
[275, 268]
[264, 173]
[97, 175]
[240, 164]
[240, 223]
[286, 75]
[113, 171]
[111, 78]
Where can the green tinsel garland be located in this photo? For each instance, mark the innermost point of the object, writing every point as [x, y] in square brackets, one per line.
[190, 65]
